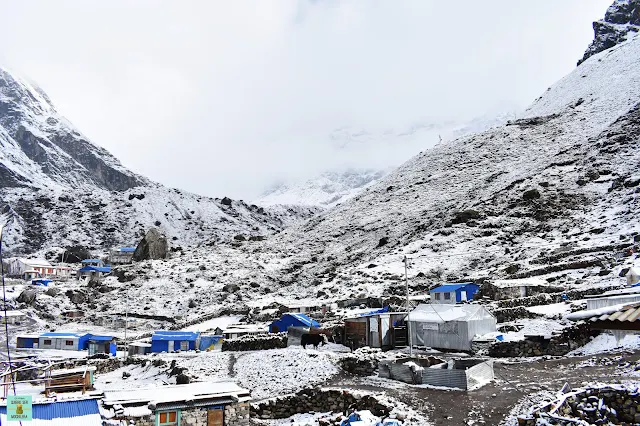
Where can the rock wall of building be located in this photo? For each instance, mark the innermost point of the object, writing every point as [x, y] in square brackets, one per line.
[237, 414]
[318, 400]
[255, 343]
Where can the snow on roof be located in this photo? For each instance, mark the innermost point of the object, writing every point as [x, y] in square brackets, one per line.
[166, 335]
[12, 313]
[628, 290]
[36, 262]
[304, 319]
[101, 338]
[446, 288]
[428, 312]
[91, 261]
[531, 281]
[622, 312]
[55, 373]
[246, 328]
[59, 335]
[163, 394]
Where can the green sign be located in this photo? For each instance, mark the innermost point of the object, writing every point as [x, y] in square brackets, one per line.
[19, 408]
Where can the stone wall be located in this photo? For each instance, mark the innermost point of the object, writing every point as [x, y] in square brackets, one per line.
[615, 404]
[513, 314]
[362, 362]
[255, 343]
[234, 415]
[237, 414]
[318, 400]
[571, 338]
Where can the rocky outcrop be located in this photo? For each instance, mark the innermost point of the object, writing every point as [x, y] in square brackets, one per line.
[153, 246]
[622, 18]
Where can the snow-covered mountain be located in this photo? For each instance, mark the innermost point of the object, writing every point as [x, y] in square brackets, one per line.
[375, 155]
[66, 191]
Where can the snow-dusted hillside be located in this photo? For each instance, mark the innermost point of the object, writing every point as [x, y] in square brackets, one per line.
[552, 189]
[65, 191]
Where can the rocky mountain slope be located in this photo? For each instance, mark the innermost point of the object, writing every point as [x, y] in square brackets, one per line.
[548, 199]
[65, 191]
[374, 156]
[621, 20]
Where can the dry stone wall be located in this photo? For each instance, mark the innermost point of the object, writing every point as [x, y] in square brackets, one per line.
[570, 339]
[255, 343]
[318, 400]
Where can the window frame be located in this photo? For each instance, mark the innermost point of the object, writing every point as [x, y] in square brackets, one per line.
[437, 296]
[47, 342]
[167, 423]
[447, 296]
[68, 342]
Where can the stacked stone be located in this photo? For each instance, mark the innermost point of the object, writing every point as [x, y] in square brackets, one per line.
[236, 414]
[256, 343]
[571, 338]
[318, 400]
[608, 405]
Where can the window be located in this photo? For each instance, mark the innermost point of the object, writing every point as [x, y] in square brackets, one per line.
[447, 296]
[68, 342]
[46, 342]
[168, 418]
[437, 296]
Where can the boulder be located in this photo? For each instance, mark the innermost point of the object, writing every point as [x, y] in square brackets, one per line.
[153, 246]
[27, 297]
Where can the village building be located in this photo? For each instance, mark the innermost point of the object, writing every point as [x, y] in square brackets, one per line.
[613, 298]
[63, 341]
[93, 270]
[84, 412]
[449, 326]
[138, 348]
[453, 293]
[292, 320]
[12, 317]
[376, 329]
[301, 307]
[101, 345]
[234, 331]
[516, 288]
[27, 341]
[201, 403]
[122, 255]
[170, 341]
[29, 269]
[621, 319]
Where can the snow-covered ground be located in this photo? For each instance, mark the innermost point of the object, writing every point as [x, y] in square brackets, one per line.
[607, 342]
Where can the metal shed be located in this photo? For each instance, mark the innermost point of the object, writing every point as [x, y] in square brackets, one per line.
[169, 341]
[449, 326]
[292, 320]
[101, 345]
[453, 293]
[374, 329]
[64, 341]
[71, 413]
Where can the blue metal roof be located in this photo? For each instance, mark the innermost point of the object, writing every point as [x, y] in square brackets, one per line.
[101, 338]
[448, 288]
[166, 335]
[105, 269]
[63, 409]
[376, 312]
[128, 249]
[91, 261]
[304, 319]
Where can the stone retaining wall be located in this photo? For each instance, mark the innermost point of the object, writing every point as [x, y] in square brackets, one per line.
[254, 343]
[570, 339]
[318, 400]
[607, 405]
[513, 314]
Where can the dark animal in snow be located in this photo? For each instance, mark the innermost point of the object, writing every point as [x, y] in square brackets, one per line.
[312, 339]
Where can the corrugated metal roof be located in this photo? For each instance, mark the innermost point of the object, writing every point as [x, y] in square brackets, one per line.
[101, 338]
[202, 403]
[62, 334]
[447, 288]
[629, 313]
[304, 319]
[66, 413]
[128, 249]
[91, 261]
[104, 269]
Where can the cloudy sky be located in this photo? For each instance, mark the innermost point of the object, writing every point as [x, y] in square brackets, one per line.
[224, 98]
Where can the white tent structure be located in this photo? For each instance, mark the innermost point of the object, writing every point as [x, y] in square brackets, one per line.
[449, 326]
[633, 276]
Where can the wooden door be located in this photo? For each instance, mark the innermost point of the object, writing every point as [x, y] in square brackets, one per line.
[215, 418]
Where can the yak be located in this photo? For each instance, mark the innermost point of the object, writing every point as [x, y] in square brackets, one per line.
[313, 339]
